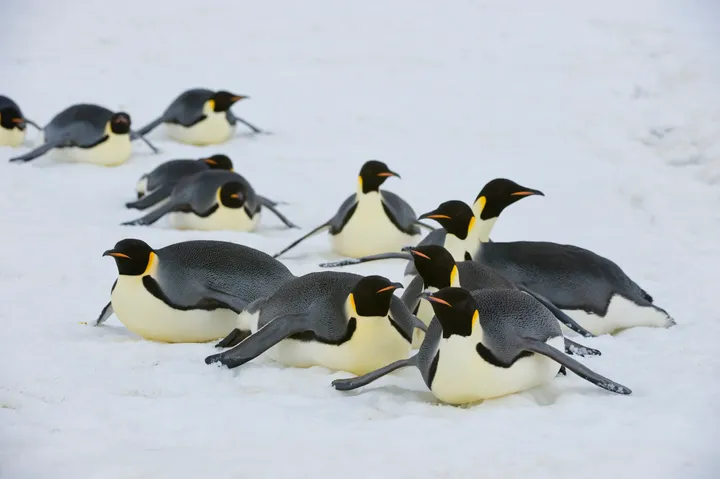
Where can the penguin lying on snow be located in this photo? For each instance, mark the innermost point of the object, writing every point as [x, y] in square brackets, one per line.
[212, 200]
[370, 221]
[489, 204]
[589, 288]
[190, 291]
[87, 133]
[341, 321]
[487, 344]
[200, 117]
[437, 270]
[12, 123]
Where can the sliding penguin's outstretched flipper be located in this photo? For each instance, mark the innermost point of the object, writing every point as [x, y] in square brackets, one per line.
[539, 347]
[254, 128]
[106, 312]
[571, 347]
[135, 135]
[420, 223]
[235, 337]
[150, 126]
[302, 238]
[265, 201]
[31, 155]
[265, 338]
[30, 122]
[365, 259]
[562, 317]
[153, 216]
[360, 381]
[151, 199]
[281, 216]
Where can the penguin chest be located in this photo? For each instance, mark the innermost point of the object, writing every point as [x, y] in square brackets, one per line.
[212, 130]
[149, 317]
[457, 247]
[462, 376]
[13, 137]
[374, 344]
[115, 150]
[369, 231]
[222, 218]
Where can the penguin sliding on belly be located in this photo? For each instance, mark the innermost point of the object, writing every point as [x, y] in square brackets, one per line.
[437, 270]
[371, 221]
[190, 291]
[87, 133]
[200, 117]
[489, 204]
[212, 200]
[341, 321]
[487, 344]
[589, 288]
[12, 123]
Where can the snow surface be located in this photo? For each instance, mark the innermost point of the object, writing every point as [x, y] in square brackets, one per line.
[610, 108]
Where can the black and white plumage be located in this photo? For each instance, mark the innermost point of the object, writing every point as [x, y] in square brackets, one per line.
[487, 344]
[341, 321]
[190, 291]
[13, 123]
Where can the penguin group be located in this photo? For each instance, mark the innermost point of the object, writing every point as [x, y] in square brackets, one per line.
[479, 319]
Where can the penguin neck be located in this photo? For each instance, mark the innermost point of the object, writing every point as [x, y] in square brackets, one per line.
[483, 227]
[359, 193]
[150, 270]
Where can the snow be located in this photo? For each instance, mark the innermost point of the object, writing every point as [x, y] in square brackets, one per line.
[610, 108]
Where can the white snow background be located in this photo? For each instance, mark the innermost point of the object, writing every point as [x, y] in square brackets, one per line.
[610, 108]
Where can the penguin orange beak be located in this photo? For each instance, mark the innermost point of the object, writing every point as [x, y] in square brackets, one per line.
[210, 161]
[415, 252]
[527, 192]
[18, 121]
[432, 298]
[433, 215]
[393, 286]
[235, 195]
[115, 254]
[239, 97]
[388, 173]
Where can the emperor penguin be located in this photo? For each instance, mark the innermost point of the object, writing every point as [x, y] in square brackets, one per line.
[341, 321]
[489, 204]
[372, 220]
[212, 200]
[87, 133]
[200, 117]
[487, 344]
[12, 123]
[437, 270]
[190, 291]
[589, 288]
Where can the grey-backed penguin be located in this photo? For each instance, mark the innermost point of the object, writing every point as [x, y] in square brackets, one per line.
[437, 270]
[372, 220]
[200, 117]
[87, 133]
[12, 123]
[190, 291]
[212, 200]
[495, 196]
[589, 288]
[341, 321]
[487, 344]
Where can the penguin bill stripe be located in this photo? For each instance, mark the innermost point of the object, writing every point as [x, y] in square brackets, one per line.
[522, 193]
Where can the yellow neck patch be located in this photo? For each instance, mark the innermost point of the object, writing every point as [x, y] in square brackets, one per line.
[351, 300]
[211, 104]
[475, 319]
[471, 225]
[454, 277]
[151, 261]
[360, 183]
[481, 203]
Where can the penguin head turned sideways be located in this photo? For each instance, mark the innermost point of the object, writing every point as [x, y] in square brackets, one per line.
[218, 162]
[133, 257]
[456, 310]
[373, 174]
[10, 117]
[434, 264]
[498, 194]
[455, 216]
[232, 194]
[222, 100]
[371, 296]
[120, 123]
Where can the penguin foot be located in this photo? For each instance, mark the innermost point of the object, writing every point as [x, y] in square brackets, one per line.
[571, 347]
[562, 371]
[235, 337]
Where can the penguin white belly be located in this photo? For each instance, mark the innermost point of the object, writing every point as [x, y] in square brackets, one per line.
[221, 219]
[425, 314]
[147, 316]
[370, 231]
[374, 344]
[621, 314]
[14, 137]
[111, 152]
[462, 376]
[212, 130]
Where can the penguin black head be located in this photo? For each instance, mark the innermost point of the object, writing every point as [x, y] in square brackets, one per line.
[456, 310]
[455, 216]
[10, 117]
[120, 123]
[132, 256]
[218, 162]
[500, 193]
[371, 296]
[232, 194]
[434, 264]
[373, 174]
[222, 100]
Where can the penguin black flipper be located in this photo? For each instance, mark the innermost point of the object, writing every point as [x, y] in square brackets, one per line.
[539, 347]
[232, 119]
[235, 337]
[156, 214]
[365, 259]
[403, 319]
[265, 201]
[151, 199]
[134, 135]
[31, 155]
[281, 216]
[35, 125]
[400, 213]
[360, 381]
[234, 303]
[106, 312]
[411, 293]
[571, 347]
[150, 126]
[562, 317]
